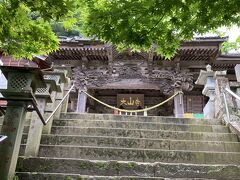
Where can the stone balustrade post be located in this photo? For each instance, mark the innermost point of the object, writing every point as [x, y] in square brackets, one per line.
[22, 82]
[43, 96]
[58, 77]
[65, 102]
[221, 82]
[235, 86]
[206, 78]
[237, 72]
[60, 95]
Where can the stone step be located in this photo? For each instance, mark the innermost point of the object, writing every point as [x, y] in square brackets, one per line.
[63, 176]
[120, 169]
[142, 125]
[160, 119]
[144, 133]
[144, 143]
[137, 154]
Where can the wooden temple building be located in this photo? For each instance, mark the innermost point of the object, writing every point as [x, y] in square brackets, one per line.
[135, 80]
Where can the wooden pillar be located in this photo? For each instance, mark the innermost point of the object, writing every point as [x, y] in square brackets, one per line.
[82, 102]
[178, 104]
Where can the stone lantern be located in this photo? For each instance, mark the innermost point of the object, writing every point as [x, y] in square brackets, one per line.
[59, 78]
[43, 96]
[64, 83]
[206, 78]
[22, 83]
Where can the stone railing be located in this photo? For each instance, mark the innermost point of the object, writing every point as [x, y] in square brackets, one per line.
[231, 116]
[221, 104]
[28, 88]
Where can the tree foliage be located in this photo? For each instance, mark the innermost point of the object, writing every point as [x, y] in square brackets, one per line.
[231, 46]
[140, 23]
[25, 28]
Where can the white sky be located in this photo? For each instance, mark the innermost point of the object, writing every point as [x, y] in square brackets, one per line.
[233, 33]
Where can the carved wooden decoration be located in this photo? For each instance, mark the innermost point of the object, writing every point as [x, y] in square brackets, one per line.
[170, 79]
[165, 79]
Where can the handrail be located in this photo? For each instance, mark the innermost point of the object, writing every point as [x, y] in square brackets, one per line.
[33, 101]
[232, 93]
[54, 111]
[226, 107]
[225, 101]
[2, 138]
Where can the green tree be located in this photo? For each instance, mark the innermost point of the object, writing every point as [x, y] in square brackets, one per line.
[25, 25]
[228, 46]
[140, 23]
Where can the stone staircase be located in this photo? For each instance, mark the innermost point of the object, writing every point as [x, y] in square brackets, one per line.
[96, 146]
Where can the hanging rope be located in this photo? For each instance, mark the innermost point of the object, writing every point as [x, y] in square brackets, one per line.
[133, 111]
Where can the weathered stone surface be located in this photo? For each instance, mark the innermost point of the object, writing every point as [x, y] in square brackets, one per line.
[59, 176]
[129, 142]
[1, 120]
[197, 171]
[126, 168]
[142, 125]
[133, 147]
[138, 154]
[86, 167]
[25, 129]
[140, 133]
[159, 119]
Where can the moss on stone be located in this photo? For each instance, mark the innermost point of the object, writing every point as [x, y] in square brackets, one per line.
[131, 165]
[102, 165]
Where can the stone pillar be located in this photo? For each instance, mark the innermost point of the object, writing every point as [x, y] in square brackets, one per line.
[13, 128]
[43, 96]
[221, 82]
[60, 95]
[48, 110]
[206, 78]
[35, 130]
[178, 105]
[237, 101]
[65, 102]
[21, 83]
[82, 102]
[237, 72]
[50, 107]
